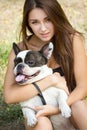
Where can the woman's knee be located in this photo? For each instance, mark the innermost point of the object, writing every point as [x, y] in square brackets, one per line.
[79, 116]
[43, 123]
[78, 108]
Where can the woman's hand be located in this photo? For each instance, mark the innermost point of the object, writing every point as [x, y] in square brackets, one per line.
[59, 82]
[46, 110]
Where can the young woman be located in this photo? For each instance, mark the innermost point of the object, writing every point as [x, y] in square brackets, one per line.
[45, 21]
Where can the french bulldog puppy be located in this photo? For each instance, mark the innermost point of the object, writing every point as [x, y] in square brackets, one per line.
[31, 66]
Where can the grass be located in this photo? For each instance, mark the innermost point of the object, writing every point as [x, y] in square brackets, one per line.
[10, 115]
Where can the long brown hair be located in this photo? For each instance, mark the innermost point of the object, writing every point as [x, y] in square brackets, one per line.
[62, 40]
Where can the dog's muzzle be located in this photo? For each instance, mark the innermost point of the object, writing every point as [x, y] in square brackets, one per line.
[22, 78]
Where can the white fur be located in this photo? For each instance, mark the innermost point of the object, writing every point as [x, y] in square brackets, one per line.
[44, 71]
[22, 54]
[53, 96]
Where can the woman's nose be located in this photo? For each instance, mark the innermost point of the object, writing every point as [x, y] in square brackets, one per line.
[43, 27]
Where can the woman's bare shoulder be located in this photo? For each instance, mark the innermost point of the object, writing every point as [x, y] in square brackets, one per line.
[78, 43]
[80, 58]
[77, 37]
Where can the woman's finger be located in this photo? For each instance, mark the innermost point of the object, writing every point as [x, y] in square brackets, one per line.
[39, 107]
[40, 113]
[46, 110]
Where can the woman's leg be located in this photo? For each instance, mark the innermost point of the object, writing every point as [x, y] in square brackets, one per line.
[79, 114]
[43, 124]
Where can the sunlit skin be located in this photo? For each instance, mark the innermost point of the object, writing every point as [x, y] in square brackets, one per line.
[41, 25]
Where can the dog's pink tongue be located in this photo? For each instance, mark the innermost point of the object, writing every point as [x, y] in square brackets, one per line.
[20, 78]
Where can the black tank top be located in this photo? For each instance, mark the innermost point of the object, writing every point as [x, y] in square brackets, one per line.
[59, 70]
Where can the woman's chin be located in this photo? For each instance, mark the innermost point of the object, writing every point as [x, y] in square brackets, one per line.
[45, 39]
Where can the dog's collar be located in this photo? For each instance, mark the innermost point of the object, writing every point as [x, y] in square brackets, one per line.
[40, 93]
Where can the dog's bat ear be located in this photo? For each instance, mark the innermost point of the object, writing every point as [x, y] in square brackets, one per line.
[47, 50]
[16, 48]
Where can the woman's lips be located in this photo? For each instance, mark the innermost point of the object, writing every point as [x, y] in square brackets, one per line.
[45, 35]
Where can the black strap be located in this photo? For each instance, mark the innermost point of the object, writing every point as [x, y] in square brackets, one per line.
[40, 93]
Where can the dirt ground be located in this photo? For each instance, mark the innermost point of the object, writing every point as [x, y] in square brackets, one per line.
[10, 21]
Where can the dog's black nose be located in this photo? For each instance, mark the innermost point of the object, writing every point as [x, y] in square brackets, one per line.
[20, 68]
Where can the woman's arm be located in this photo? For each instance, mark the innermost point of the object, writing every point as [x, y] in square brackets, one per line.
[14, 93]
[80, 70]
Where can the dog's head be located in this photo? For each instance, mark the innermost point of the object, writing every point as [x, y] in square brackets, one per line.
[31, 66]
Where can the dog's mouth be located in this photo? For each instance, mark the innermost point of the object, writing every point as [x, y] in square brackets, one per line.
[21, 78]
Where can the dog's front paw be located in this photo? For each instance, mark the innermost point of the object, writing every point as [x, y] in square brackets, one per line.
[66, 111]
[32, 121]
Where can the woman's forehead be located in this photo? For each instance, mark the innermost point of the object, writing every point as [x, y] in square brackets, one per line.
[37, 13]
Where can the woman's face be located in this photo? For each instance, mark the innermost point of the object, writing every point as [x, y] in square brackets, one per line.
[41, 25]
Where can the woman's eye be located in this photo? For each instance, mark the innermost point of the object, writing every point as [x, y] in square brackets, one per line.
[48, 20]
[34, 22]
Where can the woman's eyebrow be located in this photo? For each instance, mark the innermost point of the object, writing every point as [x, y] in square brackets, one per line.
[34, 19]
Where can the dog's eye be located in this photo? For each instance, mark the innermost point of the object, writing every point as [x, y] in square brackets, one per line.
[31, 63]
[17, 61]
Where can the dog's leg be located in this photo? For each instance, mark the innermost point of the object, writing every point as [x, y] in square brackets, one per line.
[64, 108]
[30, 116]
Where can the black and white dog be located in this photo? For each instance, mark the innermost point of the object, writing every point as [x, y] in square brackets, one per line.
[31, 66]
